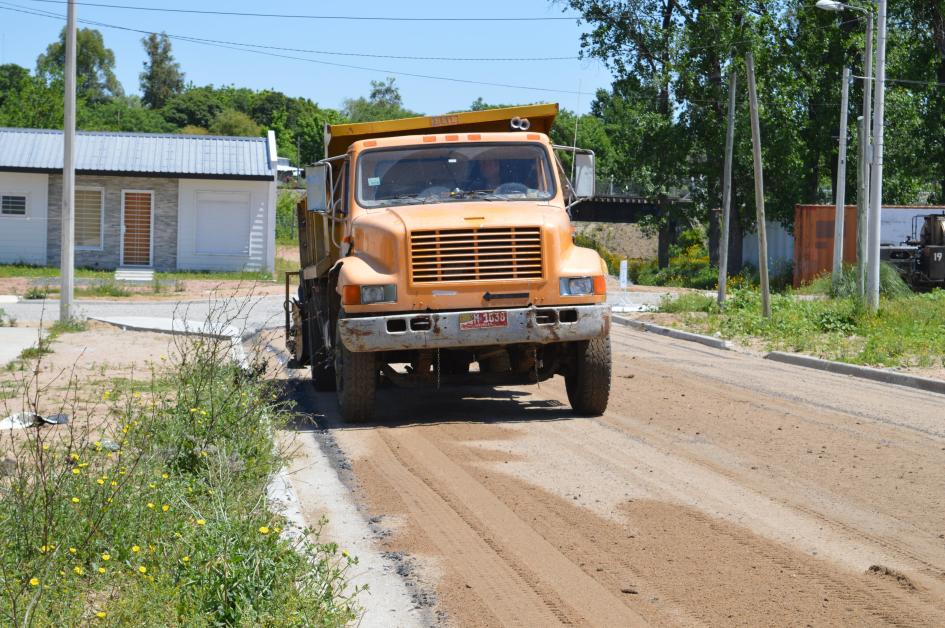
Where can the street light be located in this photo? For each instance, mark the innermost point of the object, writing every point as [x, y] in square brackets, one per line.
[864, 217]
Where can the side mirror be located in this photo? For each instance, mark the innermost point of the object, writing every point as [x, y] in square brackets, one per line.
[319, 190]
[585, 175]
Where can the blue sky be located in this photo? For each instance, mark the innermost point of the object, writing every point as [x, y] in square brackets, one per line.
[23, 37]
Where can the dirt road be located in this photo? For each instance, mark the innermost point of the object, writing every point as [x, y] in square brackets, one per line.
[719, 489]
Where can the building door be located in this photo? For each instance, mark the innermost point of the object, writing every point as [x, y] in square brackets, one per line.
[137, 227]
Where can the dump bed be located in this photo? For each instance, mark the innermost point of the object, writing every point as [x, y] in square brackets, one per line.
[338, 137]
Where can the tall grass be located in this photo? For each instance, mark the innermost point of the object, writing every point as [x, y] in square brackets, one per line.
[891, 283]
[149, 508]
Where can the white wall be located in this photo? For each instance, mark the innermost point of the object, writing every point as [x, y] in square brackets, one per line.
[23, 238]
[241, 238]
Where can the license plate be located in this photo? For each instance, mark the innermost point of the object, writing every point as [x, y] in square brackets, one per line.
[483, 320]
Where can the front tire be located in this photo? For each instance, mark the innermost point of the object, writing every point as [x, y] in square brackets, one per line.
[588, 383]
[355, 382]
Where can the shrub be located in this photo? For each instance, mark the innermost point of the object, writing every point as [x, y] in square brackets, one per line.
[688, 302]
[891, 283]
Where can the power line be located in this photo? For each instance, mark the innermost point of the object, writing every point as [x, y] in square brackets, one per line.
[204, 42]
[322, 52]
[362, 18]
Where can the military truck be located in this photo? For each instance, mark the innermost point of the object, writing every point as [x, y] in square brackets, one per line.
[438, 251]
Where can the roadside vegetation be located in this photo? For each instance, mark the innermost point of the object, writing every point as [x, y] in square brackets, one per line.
[906, 332]
[149, 507]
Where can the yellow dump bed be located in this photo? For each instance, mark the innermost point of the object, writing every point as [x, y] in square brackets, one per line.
[338, 137]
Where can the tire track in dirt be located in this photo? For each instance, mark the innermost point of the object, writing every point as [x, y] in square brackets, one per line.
[514, 539]
[499, 587]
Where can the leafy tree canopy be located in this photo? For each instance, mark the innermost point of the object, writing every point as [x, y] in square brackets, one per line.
[161, 78]
[95, 65]
[383, 103]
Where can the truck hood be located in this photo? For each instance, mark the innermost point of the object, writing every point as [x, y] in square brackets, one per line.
[474, 215]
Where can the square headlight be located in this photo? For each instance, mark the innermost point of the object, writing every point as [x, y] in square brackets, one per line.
[577, 286]
[378, 294]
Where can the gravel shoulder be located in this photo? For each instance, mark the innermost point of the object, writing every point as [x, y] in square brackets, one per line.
[718, 489]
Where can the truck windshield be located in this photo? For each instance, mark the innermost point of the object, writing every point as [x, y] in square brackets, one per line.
[454, 173]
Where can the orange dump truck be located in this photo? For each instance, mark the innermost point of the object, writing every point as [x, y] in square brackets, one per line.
[438, 251]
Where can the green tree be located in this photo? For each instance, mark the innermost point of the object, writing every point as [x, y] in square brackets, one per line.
[236, 123]
[95, 65]
[161, 78]
[195, 106]
[120, 114]
[383, 103]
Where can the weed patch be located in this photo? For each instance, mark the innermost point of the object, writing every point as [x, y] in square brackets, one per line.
[149, 507]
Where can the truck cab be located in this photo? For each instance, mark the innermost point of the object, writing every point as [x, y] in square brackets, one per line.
[438, 251]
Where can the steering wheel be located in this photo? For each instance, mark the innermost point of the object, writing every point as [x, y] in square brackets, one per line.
[511, 188]
[435, 190]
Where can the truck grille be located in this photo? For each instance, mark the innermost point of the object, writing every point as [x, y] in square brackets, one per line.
[495, 253]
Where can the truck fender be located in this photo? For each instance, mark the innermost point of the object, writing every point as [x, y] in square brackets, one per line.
[356, 271]
[578, 261]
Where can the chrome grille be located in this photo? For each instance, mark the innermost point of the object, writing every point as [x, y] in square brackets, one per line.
[490, 254]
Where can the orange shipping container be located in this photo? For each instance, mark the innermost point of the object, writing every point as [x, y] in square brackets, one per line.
[813, 240]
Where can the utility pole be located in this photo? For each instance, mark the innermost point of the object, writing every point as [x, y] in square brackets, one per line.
[863, 192]
[759, 189]
[727, 183]
[840, 215]
[876, 177]
[67, 255]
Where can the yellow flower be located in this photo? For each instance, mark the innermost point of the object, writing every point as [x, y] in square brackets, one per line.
[106, 556]
[203, 453]
[185, 559]
[101, 614]
[101, 570]
[263, 529]
[135, 549]
[137, 395]
[152, 485]
[98, 444]
[164, 476]
[203, 412]
[83, 465]
[100, 481]
[72, 550]
[150, 504]
[143, 569]
[76, 471]
[113, 483]
[277, 529]
[45, 447]
[78, 570]
[344, 553]
[106, 395]
[194, 410]
[43, 549]
[74, 456]
[201, 522]
[75, 500]
[165, 507]
[34, 582]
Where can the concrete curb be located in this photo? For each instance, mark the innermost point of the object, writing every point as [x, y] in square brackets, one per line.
[709, 341]
[9, 299]
[865, 372]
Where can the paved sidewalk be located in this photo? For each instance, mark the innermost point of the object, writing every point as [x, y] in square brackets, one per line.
[13, 340]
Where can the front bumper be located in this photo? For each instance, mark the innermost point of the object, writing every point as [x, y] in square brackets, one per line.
[441, 330]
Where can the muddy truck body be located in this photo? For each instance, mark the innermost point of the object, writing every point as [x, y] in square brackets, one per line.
[438, 251]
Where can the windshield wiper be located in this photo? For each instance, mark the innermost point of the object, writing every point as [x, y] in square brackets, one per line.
[486, 195]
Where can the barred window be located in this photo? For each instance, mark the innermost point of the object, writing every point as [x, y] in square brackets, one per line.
[13, 205]
[88, 218]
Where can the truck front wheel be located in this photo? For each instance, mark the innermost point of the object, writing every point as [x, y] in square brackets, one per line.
[588, 383]
[355, 382]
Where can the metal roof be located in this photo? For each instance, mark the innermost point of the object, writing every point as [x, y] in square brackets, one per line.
[152, 154]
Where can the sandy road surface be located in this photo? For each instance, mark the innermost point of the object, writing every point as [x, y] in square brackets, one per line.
[719, 489]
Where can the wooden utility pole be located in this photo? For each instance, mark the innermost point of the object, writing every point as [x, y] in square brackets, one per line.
[876, 173]
[759, 189]
[727, 183]
[67, 221]
[840, 215]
